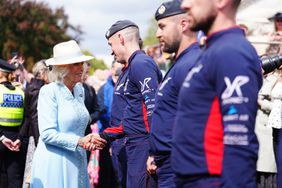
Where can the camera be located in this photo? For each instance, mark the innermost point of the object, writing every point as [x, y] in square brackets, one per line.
[270, 63]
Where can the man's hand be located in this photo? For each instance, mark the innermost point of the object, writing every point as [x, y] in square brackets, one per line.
[151, 167]
[98, 141]
[92, 142]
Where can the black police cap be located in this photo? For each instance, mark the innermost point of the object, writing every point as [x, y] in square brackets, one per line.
[119, 25]
[277, 16]
[169, 8]
[6, 67]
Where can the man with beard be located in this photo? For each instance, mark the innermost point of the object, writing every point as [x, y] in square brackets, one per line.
[175, 37]
[139, 80]
[214, 144]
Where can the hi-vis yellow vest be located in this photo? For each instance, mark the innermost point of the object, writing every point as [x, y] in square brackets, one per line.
[11, 106]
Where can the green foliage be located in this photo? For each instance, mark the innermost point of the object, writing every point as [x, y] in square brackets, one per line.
[150, 38]
[98, 64]
[32, 29]
[95, 63]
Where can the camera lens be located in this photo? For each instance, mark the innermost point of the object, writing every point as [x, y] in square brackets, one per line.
[270, 63]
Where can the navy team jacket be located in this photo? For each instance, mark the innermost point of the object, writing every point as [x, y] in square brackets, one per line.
[215, 119]
[141, 80]
[166, 100]
[119, 102]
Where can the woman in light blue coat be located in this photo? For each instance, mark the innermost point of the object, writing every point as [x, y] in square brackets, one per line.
[60, 157]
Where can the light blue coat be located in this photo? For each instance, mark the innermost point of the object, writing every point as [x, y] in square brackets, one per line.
[58, 162]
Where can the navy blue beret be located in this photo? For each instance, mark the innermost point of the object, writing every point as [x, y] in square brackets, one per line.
[119, 25]
[277, 16]
[6, 67]
[169, 8]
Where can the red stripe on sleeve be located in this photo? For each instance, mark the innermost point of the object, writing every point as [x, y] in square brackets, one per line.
[213, 141]
[145, 118]
[118, 129]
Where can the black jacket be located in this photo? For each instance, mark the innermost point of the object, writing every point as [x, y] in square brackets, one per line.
[30, 125]
[91, 103]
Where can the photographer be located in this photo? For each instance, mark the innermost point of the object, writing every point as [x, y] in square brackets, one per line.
[266, 165]
[274, 121]
[20, 76]
[276, 36]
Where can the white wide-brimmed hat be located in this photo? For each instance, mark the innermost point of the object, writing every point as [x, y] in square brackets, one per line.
[67, 53]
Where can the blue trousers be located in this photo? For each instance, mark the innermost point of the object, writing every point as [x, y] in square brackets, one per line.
[119, 161]
[165, 175]
[137, 151]
[197, 181]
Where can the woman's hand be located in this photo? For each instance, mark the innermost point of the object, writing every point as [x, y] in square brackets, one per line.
[10, 144]
[97, 141]
[92, 141]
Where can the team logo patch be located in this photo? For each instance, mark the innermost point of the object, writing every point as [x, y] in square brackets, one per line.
[164, 83]
[189, 76]
[119, 86]
[233, 93]
[144, 84]
[232, 110]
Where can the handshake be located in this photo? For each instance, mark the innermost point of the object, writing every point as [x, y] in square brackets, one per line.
[92, 142]
[13, 146]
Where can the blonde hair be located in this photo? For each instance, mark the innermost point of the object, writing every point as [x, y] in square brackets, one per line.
[84, 73]
[39, 68]
[57, 73]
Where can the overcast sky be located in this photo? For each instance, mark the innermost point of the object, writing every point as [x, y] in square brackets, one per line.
[96, 16]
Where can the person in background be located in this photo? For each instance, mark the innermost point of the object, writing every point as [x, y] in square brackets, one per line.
[275, 122]
[268, 123]
[30, 126]
[118, 105]
[214, 143]
[266, 165]
[155, 52]
[276, 35]
[60, 159]
[90, 101]
[20, 76]
[12, 156]
[29, 129]
[175, 37]
[141, 78]
[275, 114]
[105, 97]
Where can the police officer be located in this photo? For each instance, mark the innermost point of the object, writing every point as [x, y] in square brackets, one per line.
[141, 78]
[12, 160]
[175, 37]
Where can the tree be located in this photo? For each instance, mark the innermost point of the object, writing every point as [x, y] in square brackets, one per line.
[150, 38]
[32, 29]
[95, 63]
